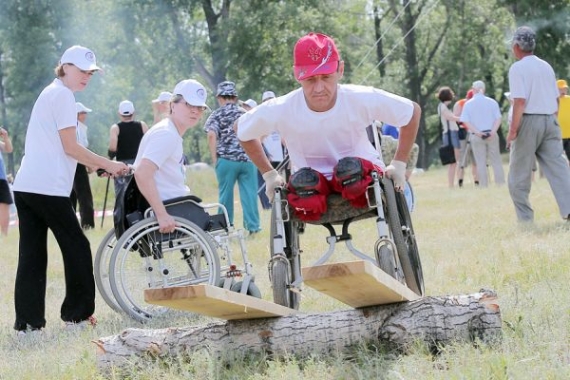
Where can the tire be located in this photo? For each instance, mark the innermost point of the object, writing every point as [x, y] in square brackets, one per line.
[386, 260]
[283, 272]
[252, 289]
[415, 279]
[144, 258]
[101, 270]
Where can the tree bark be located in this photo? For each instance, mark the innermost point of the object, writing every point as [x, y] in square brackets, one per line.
[436, 321]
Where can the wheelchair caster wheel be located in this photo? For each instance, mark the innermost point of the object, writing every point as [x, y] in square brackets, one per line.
[252, 289]
[386, 260]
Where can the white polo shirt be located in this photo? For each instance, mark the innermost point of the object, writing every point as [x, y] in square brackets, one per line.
[533, 79]
[46, 168]
[481, 112]
[320, 139]
[162, 145]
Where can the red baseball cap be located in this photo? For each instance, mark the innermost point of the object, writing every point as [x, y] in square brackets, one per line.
[315, 54]
[469, 94]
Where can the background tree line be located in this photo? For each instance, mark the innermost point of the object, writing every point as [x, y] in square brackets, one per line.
[410, 47]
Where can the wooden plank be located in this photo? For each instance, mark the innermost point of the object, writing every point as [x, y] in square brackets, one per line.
[357, 283]
[215, 302]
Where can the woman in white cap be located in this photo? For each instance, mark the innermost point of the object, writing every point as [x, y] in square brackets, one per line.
[41, 191]
[159, 165]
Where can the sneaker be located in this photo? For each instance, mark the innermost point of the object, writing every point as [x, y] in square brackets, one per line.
[82, 325]
[252, 233]
[29, 335]
[460, 183]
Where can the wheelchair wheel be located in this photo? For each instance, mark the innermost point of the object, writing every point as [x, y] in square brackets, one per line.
[145, 258]
[282, 271]
[397, 226]
[101, 269]
[386, 260]
[412, 246]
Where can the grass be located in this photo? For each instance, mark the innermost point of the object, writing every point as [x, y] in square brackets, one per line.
[468, 239]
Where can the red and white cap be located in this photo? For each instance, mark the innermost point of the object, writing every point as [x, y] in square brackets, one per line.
[315, 54]
[81, 57]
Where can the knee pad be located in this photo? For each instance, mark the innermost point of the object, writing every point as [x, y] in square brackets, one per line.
[351, 178]
[307, 194]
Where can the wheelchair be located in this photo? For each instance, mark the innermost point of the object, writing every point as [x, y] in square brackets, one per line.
[395, 250]
[134, 255]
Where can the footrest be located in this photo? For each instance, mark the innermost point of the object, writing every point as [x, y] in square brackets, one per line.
[357, 283]
[215, 302]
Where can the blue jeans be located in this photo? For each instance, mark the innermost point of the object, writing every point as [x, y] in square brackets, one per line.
[245, 174]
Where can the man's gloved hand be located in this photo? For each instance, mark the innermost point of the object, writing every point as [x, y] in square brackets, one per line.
[272, 180]
[397, 171]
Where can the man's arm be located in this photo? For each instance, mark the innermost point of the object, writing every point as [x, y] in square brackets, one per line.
[144, 175]
[6, 143]
[144, 127]
[113, 139]
[408, 135]
[518, 110]
[212, 145]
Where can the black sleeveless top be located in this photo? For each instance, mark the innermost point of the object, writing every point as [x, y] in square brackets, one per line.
[130, 135]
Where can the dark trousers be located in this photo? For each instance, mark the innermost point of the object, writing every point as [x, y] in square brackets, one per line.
[37, 213]
[566, 145]
[81, 194]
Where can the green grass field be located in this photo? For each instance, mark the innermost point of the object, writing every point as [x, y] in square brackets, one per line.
[468, 239]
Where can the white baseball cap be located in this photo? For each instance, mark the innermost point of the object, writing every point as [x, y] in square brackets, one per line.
[250, 102]
[126, 108]
[80, 108]
[163, 97]
[81, 57]
[267, 95]
[193, 92]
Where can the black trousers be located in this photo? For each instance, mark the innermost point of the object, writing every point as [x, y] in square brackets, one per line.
[37, 213]
[81, 194]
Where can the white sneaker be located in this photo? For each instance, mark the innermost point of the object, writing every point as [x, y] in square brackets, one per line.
[78, 326]
[29, 335]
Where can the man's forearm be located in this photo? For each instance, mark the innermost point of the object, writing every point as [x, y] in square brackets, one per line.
[408, 135]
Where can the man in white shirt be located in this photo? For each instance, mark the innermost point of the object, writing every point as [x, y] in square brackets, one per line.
[482, 117]
[534, 129]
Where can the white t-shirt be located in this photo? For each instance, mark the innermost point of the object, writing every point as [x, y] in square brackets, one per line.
[320, 139]
[46, 168]
[481, 112]
[272, 144]
[162, 145]
[82, 134]
[533, 79]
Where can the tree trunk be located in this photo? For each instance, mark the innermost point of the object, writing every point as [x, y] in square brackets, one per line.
[435, 321]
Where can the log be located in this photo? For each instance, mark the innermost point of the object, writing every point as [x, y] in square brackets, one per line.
[436, 321]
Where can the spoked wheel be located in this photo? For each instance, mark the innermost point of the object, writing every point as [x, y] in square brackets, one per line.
[394, 210]
[411, 244]
[145, 258]
[282, 269]
[101, 269]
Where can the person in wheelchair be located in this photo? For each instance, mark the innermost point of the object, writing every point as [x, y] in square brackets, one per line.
[159, 164]
[323, 124]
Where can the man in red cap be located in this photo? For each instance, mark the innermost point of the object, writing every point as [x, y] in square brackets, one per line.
[324, 121]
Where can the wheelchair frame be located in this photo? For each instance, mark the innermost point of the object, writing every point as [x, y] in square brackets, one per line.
[395, 251]
[143, 258]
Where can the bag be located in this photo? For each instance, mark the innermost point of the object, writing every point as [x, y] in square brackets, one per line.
[447, 154]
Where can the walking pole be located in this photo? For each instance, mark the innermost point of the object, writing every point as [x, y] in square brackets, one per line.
[105, 201]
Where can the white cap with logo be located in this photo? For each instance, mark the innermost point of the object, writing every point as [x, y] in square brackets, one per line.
[81, 57]
[267, 95]
[193, 92]
[80, 108]
[126, 108]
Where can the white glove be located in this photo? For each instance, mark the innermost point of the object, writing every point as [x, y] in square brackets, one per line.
[272, 180]
[397, 171]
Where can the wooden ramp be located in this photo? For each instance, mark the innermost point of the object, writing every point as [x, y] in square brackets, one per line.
[215, 302]
[357, 283]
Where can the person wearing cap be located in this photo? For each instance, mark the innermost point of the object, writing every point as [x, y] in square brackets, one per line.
[324, 121]
[465, 152]
[41, 191]
[6, 199]
[159, 163]
[231, 163]
[249, 104]
[482, 118]
[125, 138]
[534, 129]
[564, 115]
[161, 106]
[81, 192]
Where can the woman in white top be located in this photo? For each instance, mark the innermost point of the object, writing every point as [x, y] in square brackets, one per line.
[450, 132]
[41, 191]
